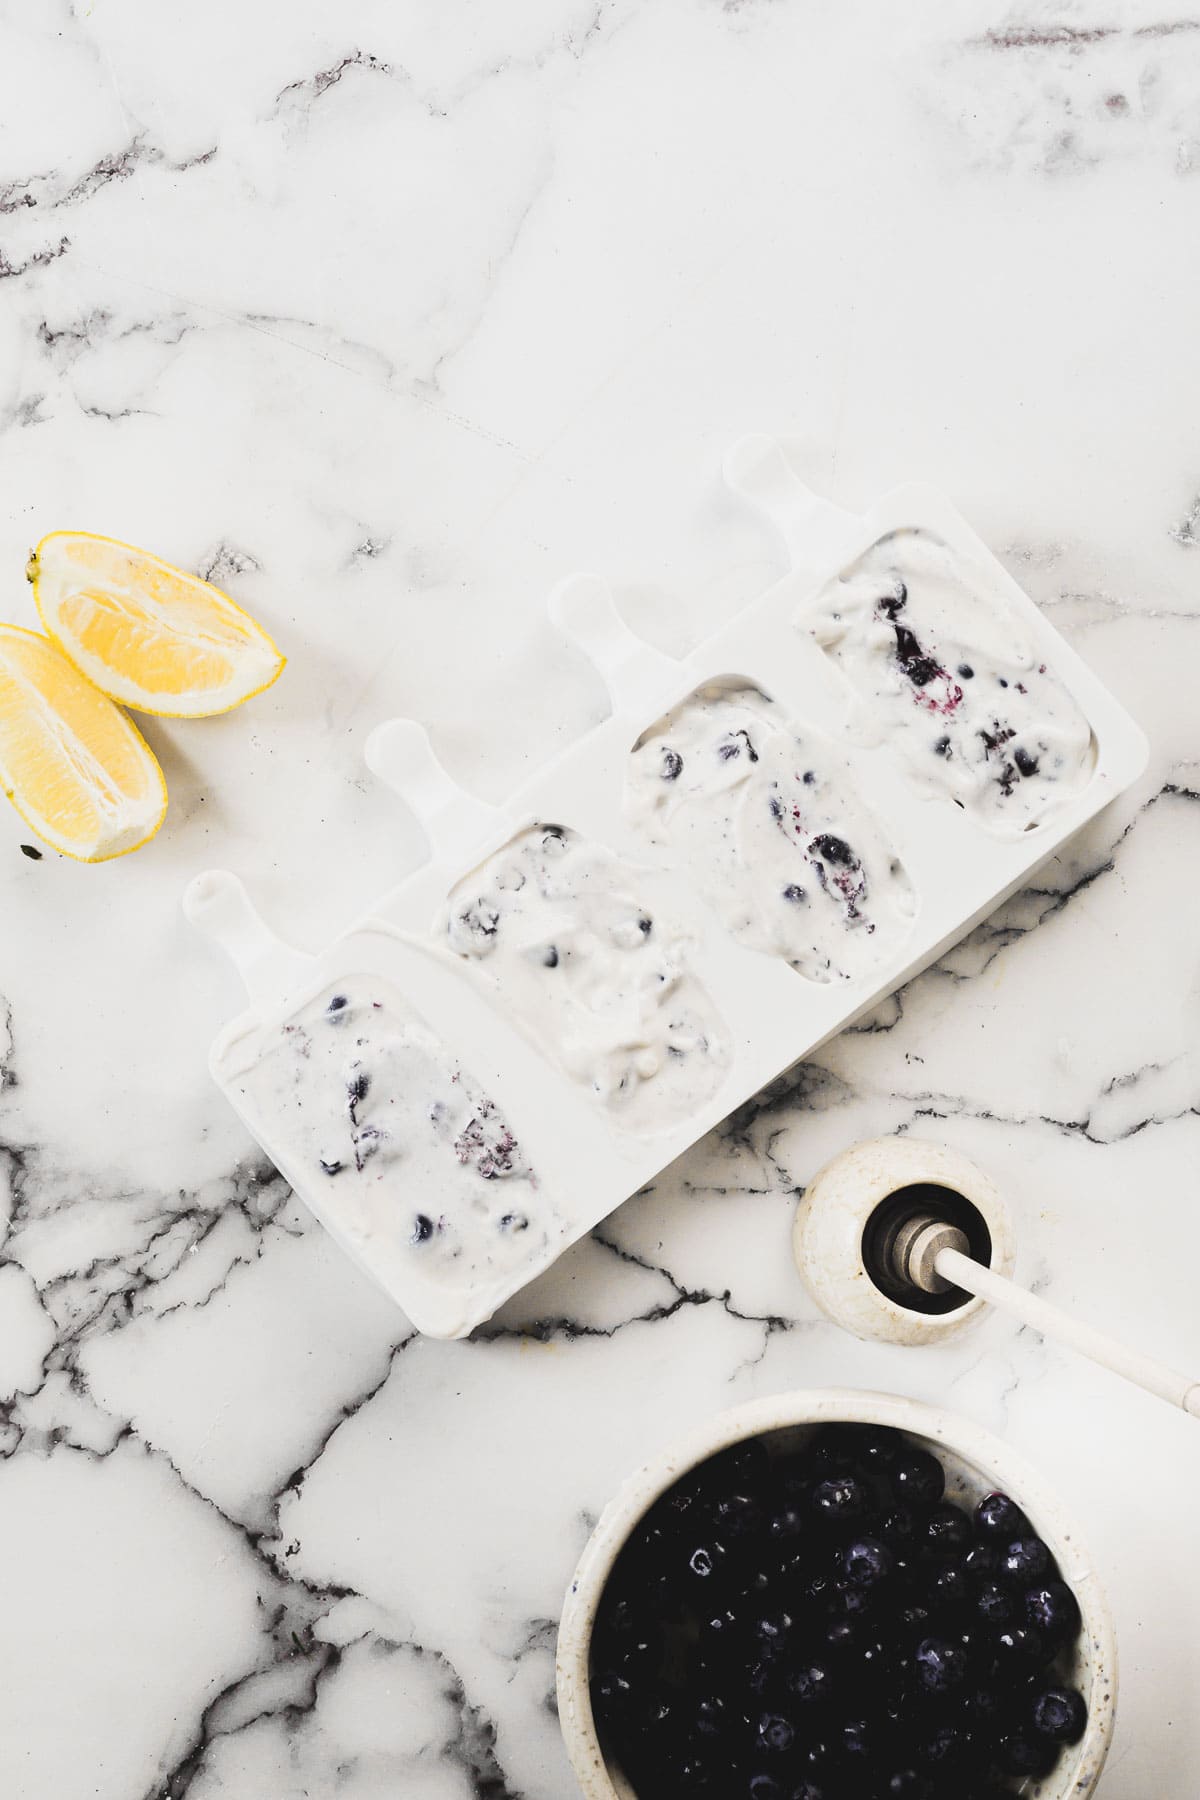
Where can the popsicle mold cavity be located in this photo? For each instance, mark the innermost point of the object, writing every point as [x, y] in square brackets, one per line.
[598, 978]
[762, 815]
[944, 670]
[396, 1139]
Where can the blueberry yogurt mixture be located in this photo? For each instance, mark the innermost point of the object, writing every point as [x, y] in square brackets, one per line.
[762, 816]
[818, 1621]
[948, 675]
[394, 1138]
[600, 980]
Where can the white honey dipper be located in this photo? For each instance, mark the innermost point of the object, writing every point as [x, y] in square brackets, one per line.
[904, 1240]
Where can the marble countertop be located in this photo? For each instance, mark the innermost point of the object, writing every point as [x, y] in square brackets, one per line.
[387, 317]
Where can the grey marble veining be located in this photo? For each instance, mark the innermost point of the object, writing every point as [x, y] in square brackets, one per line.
[385, 319]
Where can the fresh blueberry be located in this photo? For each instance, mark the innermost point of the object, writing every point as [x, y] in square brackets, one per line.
[914, 1618]
[840, 1499]
[741, 1468]
[847, 1601]
[619, 1619]
[871, 1446]
[771, 1633]
[918, 1478]
[338, 1004]
[897, 1527]
[950, 1588]
[774, 1733]
[1053, 1608]
[947, 1530]
[871, 1657]
[695, 1777]
[794, 893]
[940, 1666]
[709, 1719]
[1023, 1753]
[786, 1525]
[981, 1564]
[683, 1506]
[717, 1632]
[1017, 1651]
[1028, 765]
[964, 672]
[908, 1784]
[999, 1518]
[737, 1518]
[947, 1748]
[841, 1637]
[612, 1695]
[866, 1562]
[809, 1684]
[985, 1707]
[1060, 1714]
[995, 1604]
[763, 1677]
[1026, 1560]
[815, 1592]
[858, 1744]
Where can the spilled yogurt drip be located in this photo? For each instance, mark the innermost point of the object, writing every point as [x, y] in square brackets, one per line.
[761, 815]
[945, 671]
[599, 979]
[396, 1139]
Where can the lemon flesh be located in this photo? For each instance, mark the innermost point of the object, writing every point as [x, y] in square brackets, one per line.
[77, 770]
[146, 633]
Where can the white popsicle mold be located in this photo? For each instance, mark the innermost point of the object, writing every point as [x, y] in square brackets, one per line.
[773, 1016]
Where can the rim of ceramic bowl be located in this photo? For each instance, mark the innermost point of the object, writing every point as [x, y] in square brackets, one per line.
[1003, 1467]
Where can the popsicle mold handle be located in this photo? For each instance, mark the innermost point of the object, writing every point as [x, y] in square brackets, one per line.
[221, 910]
[457, 824]
[813, 528]
[637, 676]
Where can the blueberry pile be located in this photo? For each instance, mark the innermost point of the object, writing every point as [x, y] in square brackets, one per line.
[821, 1623]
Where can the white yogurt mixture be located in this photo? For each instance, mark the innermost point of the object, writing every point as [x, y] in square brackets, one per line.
[395, 1138]
[948, 674]
[599, 979]
[761, 815]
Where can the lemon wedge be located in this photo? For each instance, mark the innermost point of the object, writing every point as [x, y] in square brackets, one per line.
[75, 767]
[146, 633]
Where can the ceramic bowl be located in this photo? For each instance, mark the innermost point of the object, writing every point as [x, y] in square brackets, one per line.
[975, 1463]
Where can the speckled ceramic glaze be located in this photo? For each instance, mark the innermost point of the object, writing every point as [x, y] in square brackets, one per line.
[832, 1216]
[975, 1462]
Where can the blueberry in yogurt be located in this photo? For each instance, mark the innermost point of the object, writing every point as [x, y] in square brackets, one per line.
[419, 1165]
[558, 929]
[806, 1621]
[945, 673]
[765, 820]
